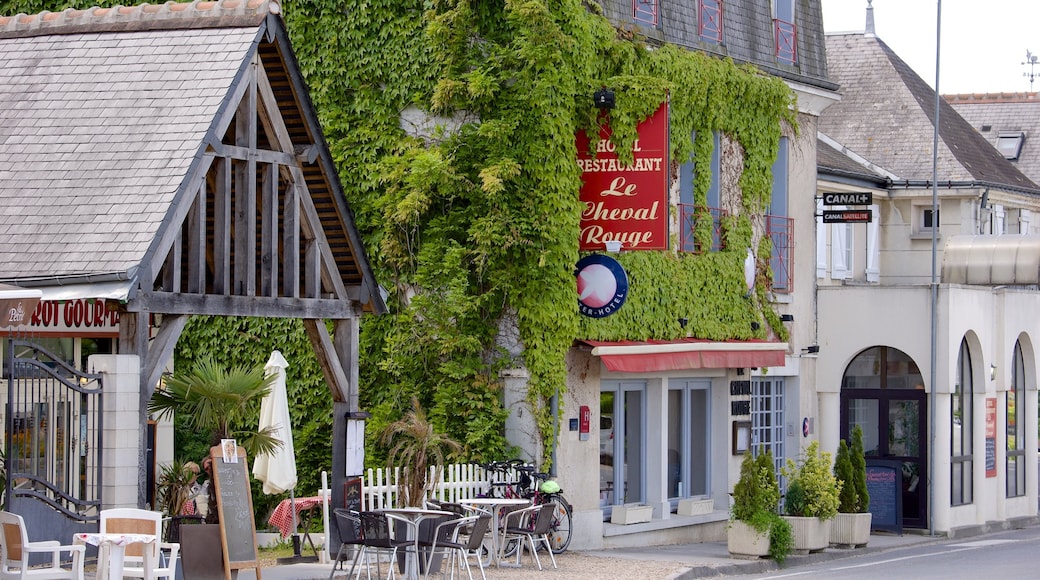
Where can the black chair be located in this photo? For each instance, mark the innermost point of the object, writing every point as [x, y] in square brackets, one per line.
[349, 525]
[376, 537]
[536, 532]
[466, 538]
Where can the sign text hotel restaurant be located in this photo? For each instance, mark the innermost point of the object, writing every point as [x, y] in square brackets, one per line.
[626, 203]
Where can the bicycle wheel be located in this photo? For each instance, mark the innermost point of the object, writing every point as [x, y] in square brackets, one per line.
[560, 530]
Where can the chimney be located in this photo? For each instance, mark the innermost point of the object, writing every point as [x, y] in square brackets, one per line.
[869, 30]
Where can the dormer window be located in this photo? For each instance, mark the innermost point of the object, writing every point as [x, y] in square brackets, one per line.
[1009, 143]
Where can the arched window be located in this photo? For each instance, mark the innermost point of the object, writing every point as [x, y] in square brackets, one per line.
[1016, 428]
[960, 433]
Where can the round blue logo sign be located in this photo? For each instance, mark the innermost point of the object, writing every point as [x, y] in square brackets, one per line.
[602, 285]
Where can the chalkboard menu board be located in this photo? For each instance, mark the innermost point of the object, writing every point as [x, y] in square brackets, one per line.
[885, 486]
[235, 510]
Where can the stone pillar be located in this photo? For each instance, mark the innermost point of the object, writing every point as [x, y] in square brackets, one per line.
[121, 376]
[521, 429]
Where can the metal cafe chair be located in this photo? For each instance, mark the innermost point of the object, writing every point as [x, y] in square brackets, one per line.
[535, 534]
[460, 547]
[349, 526]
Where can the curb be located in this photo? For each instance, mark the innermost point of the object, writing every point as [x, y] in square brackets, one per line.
[768, 565]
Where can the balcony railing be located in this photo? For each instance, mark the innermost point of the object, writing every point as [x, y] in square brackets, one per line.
[786, 41]
[709, 20]
[645, 11]
[781, 231]
[688, 216]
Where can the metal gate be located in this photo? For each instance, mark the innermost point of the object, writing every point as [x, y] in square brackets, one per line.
[52, 443]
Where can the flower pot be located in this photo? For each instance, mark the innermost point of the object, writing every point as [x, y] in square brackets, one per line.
[631, 514]
[851, 530]
[746, 542]
[809, 534]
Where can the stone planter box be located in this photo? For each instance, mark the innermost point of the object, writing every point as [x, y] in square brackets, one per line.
[631, 514]
[851, 530]
[809, 534]
[745, 542]
[695, 507]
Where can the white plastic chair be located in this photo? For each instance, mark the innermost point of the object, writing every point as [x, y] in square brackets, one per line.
[15, 549]
[139, 521]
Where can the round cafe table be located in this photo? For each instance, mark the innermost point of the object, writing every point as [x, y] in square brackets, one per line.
[412, 517]
[112, 551]
[495, 505]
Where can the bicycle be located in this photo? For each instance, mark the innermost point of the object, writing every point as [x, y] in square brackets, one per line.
[519, 480]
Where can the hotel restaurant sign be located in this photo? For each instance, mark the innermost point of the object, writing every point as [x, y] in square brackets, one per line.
[626, 203]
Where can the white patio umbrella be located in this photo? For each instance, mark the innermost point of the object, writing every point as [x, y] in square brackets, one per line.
[277, 470]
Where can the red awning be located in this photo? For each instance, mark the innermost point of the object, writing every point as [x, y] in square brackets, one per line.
[632, 356]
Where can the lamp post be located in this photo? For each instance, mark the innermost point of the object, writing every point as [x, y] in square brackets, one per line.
[935, 277]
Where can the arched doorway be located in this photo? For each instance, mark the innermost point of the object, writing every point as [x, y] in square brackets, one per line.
[882, 391]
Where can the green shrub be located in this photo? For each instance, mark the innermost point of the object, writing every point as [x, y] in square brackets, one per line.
[859, 469]
[756, 497]
[848, 499]
[816, 481]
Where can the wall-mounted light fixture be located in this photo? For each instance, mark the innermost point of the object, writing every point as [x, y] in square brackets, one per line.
[992, 372]
[787, 317]
[613, 246]
[604, 98]
[811, 349]
[683, 321]
[755, 326]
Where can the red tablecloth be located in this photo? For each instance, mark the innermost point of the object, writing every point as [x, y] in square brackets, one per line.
[282, 516]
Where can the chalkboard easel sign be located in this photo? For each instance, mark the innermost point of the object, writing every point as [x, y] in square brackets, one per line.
[235, 509]
[885, 486]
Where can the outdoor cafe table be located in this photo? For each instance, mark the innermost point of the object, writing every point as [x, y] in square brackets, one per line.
[112, 551]
[495, 505]
[412, 517]
[282, 517]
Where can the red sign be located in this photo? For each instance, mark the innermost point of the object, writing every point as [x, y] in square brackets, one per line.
[991, 437]
[80, 317]
[626, 203]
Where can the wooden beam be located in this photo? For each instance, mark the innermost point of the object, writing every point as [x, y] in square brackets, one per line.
[222, 229]
[245, 194]
[291, 241]
[347, 342]
[133, 339]
[270, 211]
[261, 306]
[245, 154]
[161, 350]
[328, 360]
[197, 243]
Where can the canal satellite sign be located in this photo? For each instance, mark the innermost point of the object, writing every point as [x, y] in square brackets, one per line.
[847, 216]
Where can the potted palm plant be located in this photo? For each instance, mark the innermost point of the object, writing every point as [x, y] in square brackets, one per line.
[224, 403]
[755, 528]
[851, 527]
[415, 448]
[811, 501]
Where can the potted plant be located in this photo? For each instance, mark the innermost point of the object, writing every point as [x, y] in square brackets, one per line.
[415, 448]
[811, 501]
[851, 527]
[755, 527]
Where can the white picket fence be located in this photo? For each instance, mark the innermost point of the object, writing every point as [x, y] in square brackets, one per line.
[457, 482]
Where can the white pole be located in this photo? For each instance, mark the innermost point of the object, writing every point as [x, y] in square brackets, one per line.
[935, 278]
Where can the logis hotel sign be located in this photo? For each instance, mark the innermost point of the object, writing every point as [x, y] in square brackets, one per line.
[626, 203]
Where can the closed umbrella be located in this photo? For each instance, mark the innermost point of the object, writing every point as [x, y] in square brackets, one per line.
[277, 470]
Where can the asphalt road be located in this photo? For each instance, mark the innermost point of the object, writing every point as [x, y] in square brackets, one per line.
[1006, 555]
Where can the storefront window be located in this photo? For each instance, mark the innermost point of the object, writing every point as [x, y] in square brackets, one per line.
[1016, 428]
[689, 439]
[961, 422]
[623, 448]
[767, 418]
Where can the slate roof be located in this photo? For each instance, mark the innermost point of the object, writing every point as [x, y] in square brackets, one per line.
[831, 161]
[991, 113]
[103, 114]
[886, 116]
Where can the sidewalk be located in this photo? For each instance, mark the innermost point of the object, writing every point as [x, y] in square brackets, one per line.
[676, 562]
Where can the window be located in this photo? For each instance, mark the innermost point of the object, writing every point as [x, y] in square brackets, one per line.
[929, 219]
[645, 12]
[709, 20]
[960, 433]
[622, 404]
[778, 226]
[821, 241]
[1009, 143]
[690, 212]
[689, 439]
[841, 251]
[1016, 428]
[785, 33]
[767, 418]
[874, 246]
